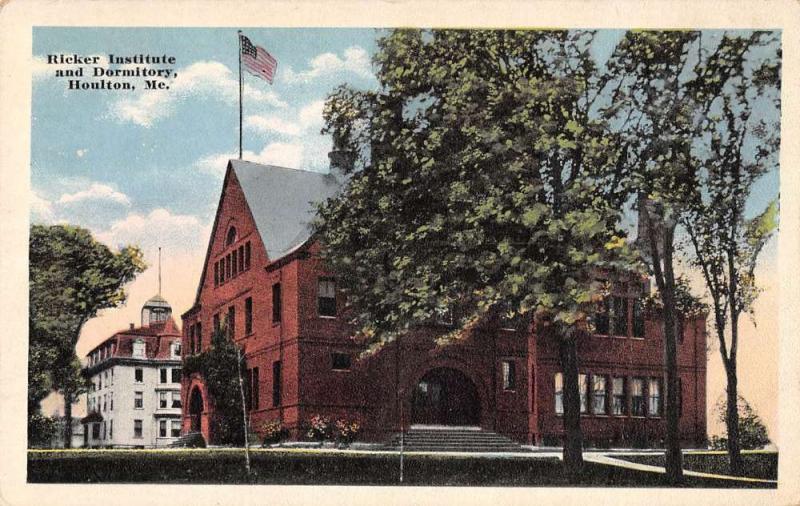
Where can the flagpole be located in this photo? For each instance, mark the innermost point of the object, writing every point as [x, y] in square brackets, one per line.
[240, 94]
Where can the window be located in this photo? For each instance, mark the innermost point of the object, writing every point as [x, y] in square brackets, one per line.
[276, 303]
[276, 383]
[618, 396]
[176, 399]
[162, 428]
[199, 335]
[221, 263]
[638, 318]
[599, 397]
[583, 386]
[619, 316]
[228, 266]
[105, 403]
[216, 273]
[241, 258]
[138, 375]
[637, 397]
[231, 237]
[176, 349]
[247, 255]
[138, 348]
[100, 382]
[216, 323]
[654, 396]
[95, 431]
[235, 260]
[176, 428]
[137, 429]
[162, 400]
[559, 393]
[163, 377]
[254, 387]
[110, 429]
[231, 322]
[176, 375]
[340, 361]
[112, 376]
[111, 401]
[509, 375]
[138, 400]
[326, 297]
[248, 316]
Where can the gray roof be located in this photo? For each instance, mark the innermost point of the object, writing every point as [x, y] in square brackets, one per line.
[282, 202]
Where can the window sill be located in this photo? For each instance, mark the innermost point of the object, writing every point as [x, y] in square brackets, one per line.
[326, 317]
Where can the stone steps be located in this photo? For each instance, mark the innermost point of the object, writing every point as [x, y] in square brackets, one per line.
[453, 440]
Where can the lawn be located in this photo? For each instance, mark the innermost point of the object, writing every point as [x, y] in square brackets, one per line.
[316, 468]
[761, 464]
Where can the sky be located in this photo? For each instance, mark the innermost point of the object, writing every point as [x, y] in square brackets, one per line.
[145, 167]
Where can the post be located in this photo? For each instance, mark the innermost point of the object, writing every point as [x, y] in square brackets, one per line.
[244, 410]
[240, 93]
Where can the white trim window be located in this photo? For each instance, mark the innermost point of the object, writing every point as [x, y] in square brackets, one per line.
[162, 428]
[326, 297]
[176, 400]
[558, 383]
[583, 386]
[138, 348]
[637, 397]
[175, 428]
[138, 400]
[618, 396]
[509, 375]
[599, 395]
[654, 397]
[162, 400]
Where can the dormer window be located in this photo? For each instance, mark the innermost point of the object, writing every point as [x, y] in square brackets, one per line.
[231, 237]
[176, 349]
[138, 348]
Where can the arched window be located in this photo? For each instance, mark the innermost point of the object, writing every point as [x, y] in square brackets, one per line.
[231, 236]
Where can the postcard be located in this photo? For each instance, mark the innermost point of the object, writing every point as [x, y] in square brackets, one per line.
[434, 253]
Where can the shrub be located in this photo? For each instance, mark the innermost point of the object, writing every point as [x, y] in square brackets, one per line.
[752, 431]
[347, 430]
[319, 428]
[274, 432]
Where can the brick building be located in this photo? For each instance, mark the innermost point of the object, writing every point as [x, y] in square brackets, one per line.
[263, 275]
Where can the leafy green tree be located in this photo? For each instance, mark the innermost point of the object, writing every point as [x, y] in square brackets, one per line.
[218, 366]
[479, 180]
[72, 277]
[740, 80]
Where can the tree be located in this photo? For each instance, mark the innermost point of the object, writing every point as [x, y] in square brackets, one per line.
[752, 432]
[740, 82]
[72, 278]
[218, 366]
[479, 179]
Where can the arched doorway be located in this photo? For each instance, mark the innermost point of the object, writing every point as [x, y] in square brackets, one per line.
[445, 396]
[195, 409]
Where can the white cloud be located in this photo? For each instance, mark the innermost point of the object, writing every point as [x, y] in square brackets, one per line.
[81, 152]
[356, 60]
[41, 208]
[304, 154]
[268, 124]
[177, 232]
[205, 79]
[96, 191]
[308, 119]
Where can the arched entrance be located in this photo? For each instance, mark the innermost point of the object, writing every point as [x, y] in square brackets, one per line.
[195, 409]
[445, 396]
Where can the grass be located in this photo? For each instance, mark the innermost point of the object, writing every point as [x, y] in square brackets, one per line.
[318, 468]
[761, 464]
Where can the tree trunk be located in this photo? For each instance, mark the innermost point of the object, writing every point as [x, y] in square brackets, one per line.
[68, 419]
[674, 464]
[573, 437]
[732, 421]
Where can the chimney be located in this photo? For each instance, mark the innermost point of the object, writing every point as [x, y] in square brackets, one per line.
[342, 163]
[132, 327]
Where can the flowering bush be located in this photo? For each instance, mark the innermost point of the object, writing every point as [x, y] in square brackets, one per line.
[347, 430]
[274, 432]
[319, 428]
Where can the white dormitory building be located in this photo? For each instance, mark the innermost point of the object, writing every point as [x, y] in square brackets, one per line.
[134, 400]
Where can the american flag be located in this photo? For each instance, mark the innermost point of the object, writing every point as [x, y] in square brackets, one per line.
[258, 61]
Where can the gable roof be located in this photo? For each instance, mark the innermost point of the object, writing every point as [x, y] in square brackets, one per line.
[283, 202]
